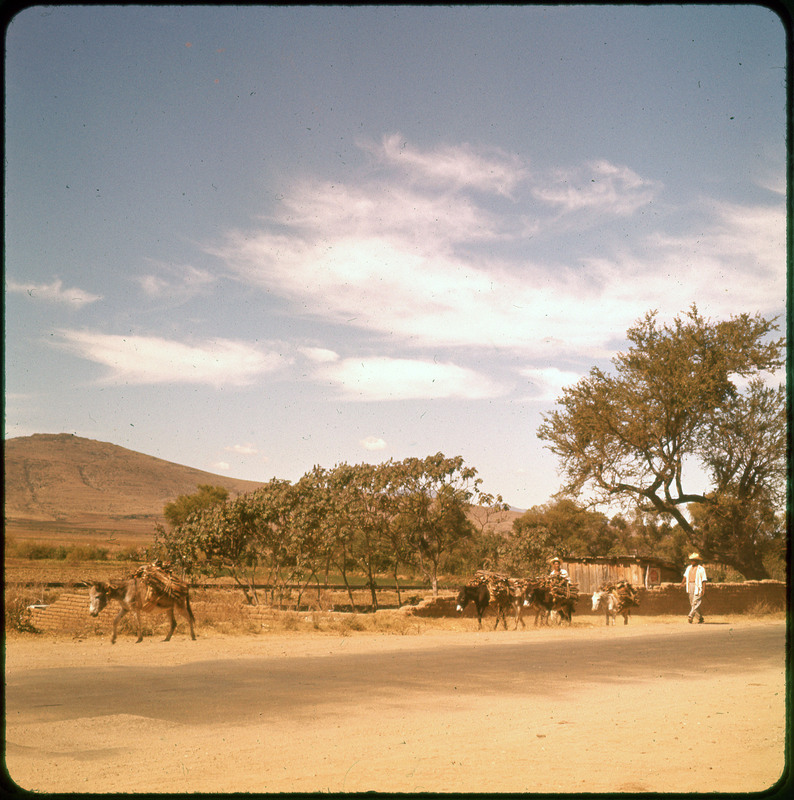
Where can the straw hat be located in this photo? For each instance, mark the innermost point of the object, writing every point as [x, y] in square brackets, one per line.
[552, 560]
[695, 557]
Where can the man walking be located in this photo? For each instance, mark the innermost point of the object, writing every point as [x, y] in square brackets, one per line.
[694, 580]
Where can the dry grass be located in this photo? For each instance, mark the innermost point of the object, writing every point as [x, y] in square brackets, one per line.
[16, 600]
[763, 608]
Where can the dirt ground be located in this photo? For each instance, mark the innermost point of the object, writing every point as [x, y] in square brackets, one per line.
[278, 713]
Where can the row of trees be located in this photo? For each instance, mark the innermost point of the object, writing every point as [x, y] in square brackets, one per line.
[685, 431]
[367, 519]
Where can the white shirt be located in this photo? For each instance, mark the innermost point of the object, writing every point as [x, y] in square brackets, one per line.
[695, 575]
[563, 572]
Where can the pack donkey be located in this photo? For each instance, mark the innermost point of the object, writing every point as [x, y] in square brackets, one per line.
[136, 595]
[506, 593]
[552, 599]
[616, 599]
[477, 593]
[608, 603]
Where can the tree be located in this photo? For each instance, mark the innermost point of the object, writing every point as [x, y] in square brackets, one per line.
[528, 550]
[220, 536]
[276, 541]
[685, 396]
[562, 527]
[433, 495]
[180, 509]
[325, 509]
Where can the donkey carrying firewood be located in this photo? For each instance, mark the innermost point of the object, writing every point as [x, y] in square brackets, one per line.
[149, 589]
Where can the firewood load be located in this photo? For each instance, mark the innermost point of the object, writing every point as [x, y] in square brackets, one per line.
[160, 582]
[561, 589]
[626, 594]
[500, 586]
[558, 587]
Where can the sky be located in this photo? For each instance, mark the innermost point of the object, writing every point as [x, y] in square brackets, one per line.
[256, 239]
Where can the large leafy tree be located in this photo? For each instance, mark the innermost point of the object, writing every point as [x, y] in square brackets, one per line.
[432, 499]
[325, 512]
[218, 537]
[685, 398]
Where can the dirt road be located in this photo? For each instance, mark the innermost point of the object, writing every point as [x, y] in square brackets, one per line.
[653, 707]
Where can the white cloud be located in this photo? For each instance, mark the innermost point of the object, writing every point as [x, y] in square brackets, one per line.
[459, 166]
[53, 293]
[546, 383]
[175, 282]
[153, 360]
[373, 443]
[221, 466]
[319, 354]
[422, 297]
[243, 449]
[733, 264]
[322, 211]
[422, 267]
[597, 186]
[406, 379]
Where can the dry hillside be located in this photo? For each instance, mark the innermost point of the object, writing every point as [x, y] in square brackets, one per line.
[71, 481]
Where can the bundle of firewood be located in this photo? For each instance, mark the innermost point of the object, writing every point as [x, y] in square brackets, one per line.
[501, 586]
[626, 594]
[561, 589]
[159, 581]
[488, 576]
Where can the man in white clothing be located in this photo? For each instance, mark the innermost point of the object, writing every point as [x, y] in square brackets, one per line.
[557, 570]
[694, 581]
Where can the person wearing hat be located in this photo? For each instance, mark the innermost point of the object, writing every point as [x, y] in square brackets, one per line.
[556, 569]
[694, 581]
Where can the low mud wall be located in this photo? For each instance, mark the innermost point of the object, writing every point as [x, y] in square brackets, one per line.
[669, 598]
[69, 614]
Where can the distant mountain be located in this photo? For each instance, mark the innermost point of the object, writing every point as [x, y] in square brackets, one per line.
[66, 479]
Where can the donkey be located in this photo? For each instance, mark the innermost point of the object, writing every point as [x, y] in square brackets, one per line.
[611, 605]
[478, 594]
[136, 596]
[547, 607]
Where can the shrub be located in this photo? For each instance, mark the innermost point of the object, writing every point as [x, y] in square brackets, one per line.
[88, 552]
[34, 551]
[136, 554]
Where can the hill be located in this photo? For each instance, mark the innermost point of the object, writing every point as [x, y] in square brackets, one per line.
[69, 481]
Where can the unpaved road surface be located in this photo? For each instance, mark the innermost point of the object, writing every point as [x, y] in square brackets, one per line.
[656, 707]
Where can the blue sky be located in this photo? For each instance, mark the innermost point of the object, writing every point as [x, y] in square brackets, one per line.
[256, 239]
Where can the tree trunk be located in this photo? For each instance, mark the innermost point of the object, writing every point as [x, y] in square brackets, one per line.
[347, 585]
[372, 588]
[397, 585]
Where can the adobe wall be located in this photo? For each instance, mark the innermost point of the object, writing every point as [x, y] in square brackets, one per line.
[718, 598]
[69, 614]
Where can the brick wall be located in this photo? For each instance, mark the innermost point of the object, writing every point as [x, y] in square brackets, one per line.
[69, 614]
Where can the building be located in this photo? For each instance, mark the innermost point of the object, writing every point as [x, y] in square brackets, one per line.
[591, 572]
